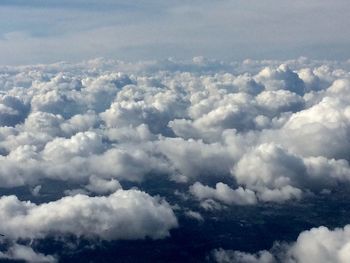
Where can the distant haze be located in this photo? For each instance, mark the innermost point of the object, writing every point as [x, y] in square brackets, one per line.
[39, 31]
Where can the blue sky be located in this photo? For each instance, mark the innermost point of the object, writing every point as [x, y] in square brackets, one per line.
[39, 31]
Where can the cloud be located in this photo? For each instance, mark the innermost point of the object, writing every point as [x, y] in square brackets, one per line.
[128, 214]
[27, 254]
[282, 78]
[316, 245]
[81, 144]
[277, 174]
[274, 103]
[191, 158]
[322, 245]
[192, 121]
[226, 256]
[101, 186]
[12, 110]
[194, 215]
[223, 134]
[224, 193]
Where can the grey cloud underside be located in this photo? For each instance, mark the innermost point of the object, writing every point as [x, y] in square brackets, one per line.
[231, 133]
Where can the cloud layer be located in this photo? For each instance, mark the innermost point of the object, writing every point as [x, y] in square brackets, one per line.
[226, 134]
[277, 130]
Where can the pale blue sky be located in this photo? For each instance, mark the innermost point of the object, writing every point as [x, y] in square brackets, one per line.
[43, 31]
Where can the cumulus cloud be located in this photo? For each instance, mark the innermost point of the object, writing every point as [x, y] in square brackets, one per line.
[194, 158]
[323, 127]
[101, 186]
[12, 110]
[316, 245]
[281, 78]
[27, 254]
[129, 214]
[278, 174]
[224, 134]
[273, 127]
[322, 245]
[224, 193]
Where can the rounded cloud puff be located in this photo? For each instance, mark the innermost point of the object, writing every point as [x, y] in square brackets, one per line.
[129, 214]
[320, 245]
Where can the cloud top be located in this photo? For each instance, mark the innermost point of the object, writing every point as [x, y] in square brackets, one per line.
[220, 135]
[125, 214]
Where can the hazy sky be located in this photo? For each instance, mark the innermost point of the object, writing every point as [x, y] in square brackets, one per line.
[41, 31]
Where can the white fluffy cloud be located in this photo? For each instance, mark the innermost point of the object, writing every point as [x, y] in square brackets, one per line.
[316, 245]
[102, 186]
[224, 193]
[128, 214]
[230, 133]
[274, 127]
[322, 245]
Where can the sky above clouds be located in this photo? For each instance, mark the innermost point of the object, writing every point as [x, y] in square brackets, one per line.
[39, 31]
